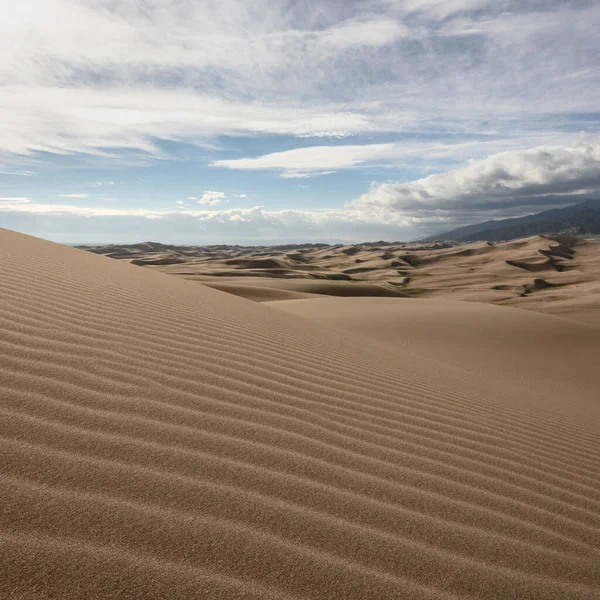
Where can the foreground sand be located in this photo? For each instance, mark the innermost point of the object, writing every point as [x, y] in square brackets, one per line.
[161, 439]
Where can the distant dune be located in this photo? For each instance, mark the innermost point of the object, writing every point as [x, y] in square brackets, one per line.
[164, 440]
[558, 275]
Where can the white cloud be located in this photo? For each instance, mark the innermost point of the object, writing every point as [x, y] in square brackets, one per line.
[373, 32]
[73, 195]
[211, 198]
[89, 120]
[324, 160]
[228, 34]
[302, 162]
[503, 184]
[441, 9]
[191, 198]
[254, 225]
[180, 202]
[102, 183]
[13, 200]
[106, 77]
[19, 173]
[95, 79]
[26, 206]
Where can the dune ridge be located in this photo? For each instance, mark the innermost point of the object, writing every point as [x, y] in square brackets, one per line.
[161, 439]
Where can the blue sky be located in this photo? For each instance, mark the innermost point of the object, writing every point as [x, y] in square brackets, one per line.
[267, 121]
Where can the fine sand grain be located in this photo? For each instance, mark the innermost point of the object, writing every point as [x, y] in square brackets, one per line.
[160, 439]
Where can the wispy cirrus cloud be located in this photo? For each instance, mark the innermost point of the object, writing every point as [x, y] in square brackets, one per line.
[97, 79]
[107, 78]
[18, 173]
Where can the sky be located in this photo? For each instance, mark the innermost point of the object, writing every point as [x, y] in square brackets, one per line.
[273, 121]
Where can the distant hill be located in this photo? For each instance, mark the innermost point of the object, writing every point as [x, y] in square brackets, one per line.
[578, 219]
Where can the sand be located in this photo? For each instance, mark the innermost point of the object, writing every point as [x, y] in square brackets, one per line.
[162, 439]
[559, 276]
[552, 356]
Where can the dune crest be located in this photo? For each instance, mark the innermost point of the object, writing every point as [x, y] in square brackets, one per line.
[161, 439]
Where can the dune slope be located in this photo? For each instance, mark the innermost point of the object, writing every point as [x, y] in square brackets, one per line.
[160, 439]
[553, 357]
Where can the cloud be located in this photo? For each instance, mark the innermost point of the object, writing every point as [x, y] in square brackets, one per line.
[324, 160]
[97, 80]
[442, 9]
[9, 201]
[255, 225]
[107, 121]
[503, 184]
[102, 183]
[419, 84]
[73, 195]
[180, 202]
[18, 173]
[107, 79]
[24, 205]
[302, 162]
[211, 198]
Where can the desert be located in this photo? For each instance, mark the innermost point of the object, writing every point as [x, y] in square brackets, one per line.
[554, 274]
[299, 300]
[163, 439]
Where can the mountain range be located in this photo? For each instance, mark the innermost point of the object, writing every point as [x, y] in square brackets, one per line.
[578, 219]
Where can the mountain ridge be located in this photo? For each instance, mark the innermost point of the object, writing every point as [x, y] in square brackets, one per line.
[577, 219]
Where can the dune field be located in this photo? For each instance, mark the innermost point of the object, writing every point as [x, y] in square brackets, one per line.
[163, 439]
[559, 275]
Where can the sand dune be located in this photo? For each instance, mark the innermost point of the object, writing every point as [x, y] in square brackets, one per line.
[262, 293]
[551, 275]
[290, 289]
[552, 356]
[161, 439]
